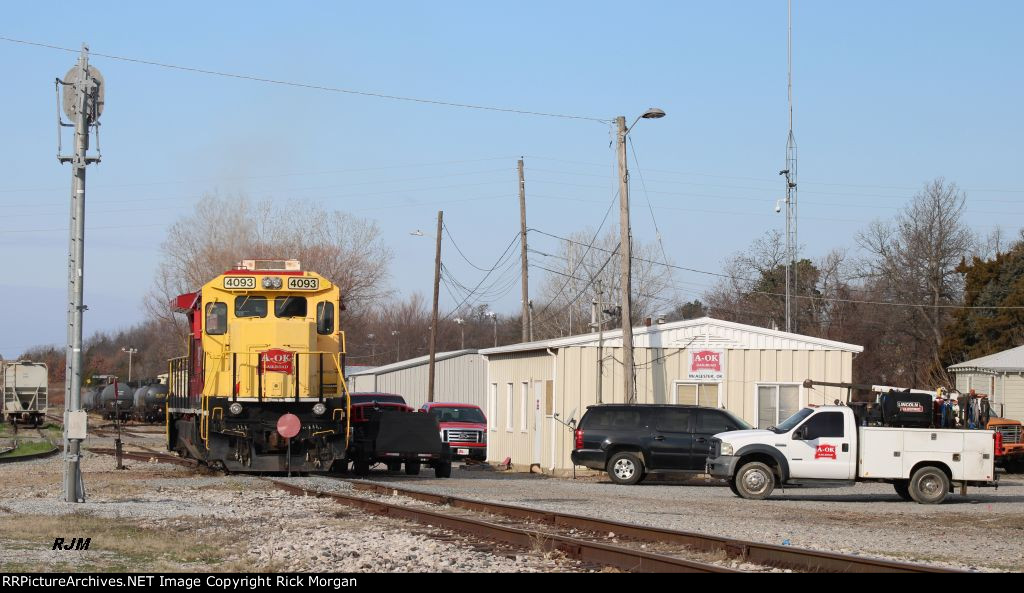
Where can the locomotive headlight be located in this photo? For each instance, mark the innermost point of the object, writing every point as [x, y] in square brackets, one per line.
[268, 282]
[277, 282]
[319, 409]
[235, 409]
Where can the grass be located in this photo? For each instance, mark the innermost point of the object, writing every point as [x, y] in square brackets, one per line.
[116, 544]
[28, 448]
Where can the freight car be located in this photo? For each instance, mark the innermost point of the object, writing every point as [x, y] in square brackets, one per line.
[264, 344]
[115, 402]
[24, 385]
[150, 403]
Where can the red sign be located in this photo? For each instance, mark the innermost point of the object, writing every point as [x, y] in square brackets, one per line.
[288, 425]
[706, 360]
[278, 361]
[825, 452]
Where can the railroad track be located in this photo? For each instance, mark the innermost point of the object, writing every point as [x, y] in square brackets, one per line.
[788, 557]
[54, 449]
[148, 456]
[573, 546]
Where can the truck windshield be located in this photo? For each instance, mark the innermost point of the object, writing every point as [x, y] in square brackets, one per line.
[790, 423]
[448, 414]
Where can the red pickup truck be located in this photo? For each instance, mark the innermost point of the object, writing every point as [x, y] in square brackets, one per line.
[463, 427]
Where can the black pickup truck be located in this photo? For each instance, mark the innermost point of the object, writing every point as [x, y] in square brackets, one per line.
[630, 441]
[387, 430]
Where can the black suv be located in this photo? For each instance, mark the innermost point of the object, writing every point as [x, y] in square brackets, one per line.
[631, 440]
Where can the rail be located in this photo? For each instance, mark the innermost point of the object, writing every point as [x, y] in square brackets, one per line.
[581, 549]
[790, 557]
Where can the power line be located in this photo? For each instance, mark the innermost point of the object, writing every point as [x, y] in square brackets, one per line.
[813, 298]
[310, 86]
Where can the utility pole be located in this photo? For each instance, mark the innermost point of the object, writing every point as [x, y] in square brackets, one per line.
[398, 344]
[83, 104]
[597, 323]
[626, 284]
[527, 318]
[437, 293]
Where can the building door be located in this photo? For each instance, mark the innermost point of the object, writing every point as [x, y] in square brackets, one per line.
[538, 420]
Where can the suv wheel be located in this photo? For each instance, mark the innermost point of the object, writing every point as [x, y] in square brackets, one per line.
[625, 468]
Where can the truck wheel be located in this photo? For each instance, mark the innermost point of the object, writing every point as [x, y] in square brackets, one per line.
[443, 469]
[755, 481]
[902, 489]
[625, 468]
[412, 468]
[394, 466]
[929, 485]
[732, 486]
[361, 467]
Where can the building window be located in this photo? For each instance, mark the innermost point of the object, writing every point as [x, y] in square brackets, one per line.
[697, 394]
[510, 409]
[775, 403]
[524, 404]
[492, 407]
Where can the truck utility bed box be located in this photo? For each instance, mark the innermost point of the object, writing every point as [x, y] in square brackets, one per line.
[893, 452]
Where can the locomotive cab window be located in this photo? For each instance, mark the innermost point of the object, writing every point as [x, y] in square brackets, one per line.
[290, 306]
[216, 318]
[325, 318]
[250, 306]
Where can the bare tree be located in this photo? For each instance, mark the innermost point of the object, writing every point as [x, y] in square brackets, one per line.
[583, 271]
[223, 230]
[913, 259]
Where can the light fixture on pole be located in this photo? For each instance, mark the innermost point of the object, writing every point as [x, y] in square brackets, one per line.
[398, 344]
[373, 345]
[462, 329]
[625, 249]
[494, 317]
[130, 351]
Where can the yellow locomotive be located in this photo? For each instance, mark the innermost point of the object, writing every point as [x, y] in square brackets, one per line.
[264, 343]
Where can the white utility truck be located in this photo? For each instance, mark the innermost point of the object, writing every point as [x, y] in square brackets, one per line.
[826, 446]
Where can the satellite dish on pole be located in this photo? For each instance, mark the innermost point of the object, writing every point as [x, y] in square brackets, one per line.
[94, 106]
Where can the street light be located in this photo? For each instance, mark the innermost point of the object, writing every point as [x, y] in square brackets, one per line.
[398, 344]
[373, 345]
[494, 318]
[625, 245]
[129, 350]
[462, 330]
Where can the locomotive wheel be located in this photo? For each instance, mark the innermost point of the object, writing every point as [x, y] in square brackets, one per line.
[394, 466]
[361, 467]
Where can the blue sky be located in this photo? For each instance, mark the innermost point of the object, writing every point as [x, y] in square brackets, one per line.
[888, 96]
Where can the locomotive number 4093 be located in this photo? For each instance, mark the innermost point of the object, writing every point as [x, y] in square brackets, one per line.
[240, 282]
[296, 283]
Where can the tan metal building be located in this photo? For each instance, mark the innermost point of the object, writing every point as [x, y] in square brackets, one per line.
[1000, 376]
[459, 377]
[533, 388]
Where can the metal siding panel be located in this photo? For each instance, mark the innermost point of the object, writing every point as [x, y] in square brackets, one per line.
[1013, 394]
[769, 365]
[816, 369]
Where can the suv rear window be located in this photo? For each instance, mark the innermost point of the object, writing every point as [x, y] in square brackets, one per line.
[613, 419]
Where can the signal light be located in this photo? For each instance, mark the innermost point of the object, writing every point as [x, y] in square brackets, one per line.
[579, 438]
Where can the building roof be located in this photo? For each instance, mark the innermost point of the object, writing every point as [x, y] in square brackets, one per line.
[705, 332]
[1007, 361]
[412, 362]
